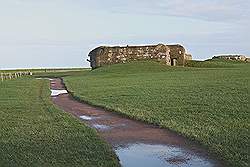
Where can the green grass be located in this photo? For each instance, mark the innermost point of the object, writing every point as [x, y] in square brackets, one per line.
[208, 101]
[35, 133]
[216, 63]
[43, 70]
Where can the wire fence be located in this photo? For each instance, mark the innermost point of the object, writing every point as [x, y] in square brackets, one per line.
[14, 75]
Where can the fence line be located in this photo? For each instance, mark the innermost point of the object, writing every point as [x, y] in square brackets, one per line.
[6, 76]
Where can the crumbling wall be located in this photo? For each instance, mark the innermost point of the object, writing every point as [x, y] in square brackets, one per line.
[188, 56]
[177, 53]
[167, 54]
[231, 57]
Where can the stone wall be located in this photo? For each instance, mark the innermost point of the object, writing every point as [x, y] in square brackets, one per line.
[231, 57]
[168, 54]
[188, 56]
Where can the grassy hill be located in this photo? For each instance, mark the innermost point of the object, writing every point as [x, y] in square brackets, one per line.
[217, 63]
[207, 101]
[35, 133]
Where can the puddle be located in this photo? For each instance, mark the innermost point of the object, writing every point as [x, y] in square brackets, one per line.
[146, 155]
[58, 92]
[101, 127]
[45, 78]
[84, 117]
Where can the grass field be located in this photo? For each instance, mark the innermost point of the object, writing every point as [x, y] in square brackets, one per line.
[208, 102]
[35, 133]
[43, 70]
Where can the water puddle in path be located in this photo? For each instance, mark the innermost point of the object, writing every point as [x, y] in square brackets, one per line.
[101, 127]
[57, 92]
[45, 78]
[146, 155]
[87, 118]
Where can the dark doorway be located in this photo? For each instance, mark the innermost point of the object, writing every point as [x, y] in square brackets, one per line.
[173, 62]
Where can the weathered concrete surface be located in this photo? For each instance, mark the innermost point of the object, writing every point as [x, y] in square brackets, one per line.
[168, 54]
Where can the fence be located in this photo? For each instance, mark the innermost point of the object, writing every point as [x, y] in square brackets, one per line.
[14, 75]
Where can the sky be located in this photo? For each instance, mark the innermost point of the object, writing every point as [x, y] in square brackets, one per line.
[61, 33]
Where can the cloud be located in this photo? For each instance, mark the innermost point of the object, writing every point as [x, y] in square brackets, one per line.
[43, 32]
[213, 10]
[210, 10]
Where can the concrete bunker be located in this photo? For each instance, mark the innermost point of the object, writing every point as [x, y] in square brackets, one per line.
[172, 55]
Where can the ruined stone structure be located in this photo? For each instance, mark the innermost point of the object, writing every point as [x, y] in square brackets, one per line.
[168, 54]
[232, 57]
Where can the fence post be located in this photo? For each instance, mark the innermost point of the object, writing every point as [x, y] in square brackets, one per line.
[2, 77]
[15, 75]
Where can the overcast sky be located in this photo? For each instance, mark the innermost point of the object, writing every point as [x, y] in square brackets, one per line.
[60, 33]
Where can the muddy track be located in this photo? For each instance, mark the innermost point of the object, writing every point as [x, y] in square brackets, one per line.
[136, 143]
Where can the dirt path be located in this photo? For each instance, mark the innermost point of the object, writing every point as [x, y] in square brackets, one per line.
[135, 143]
